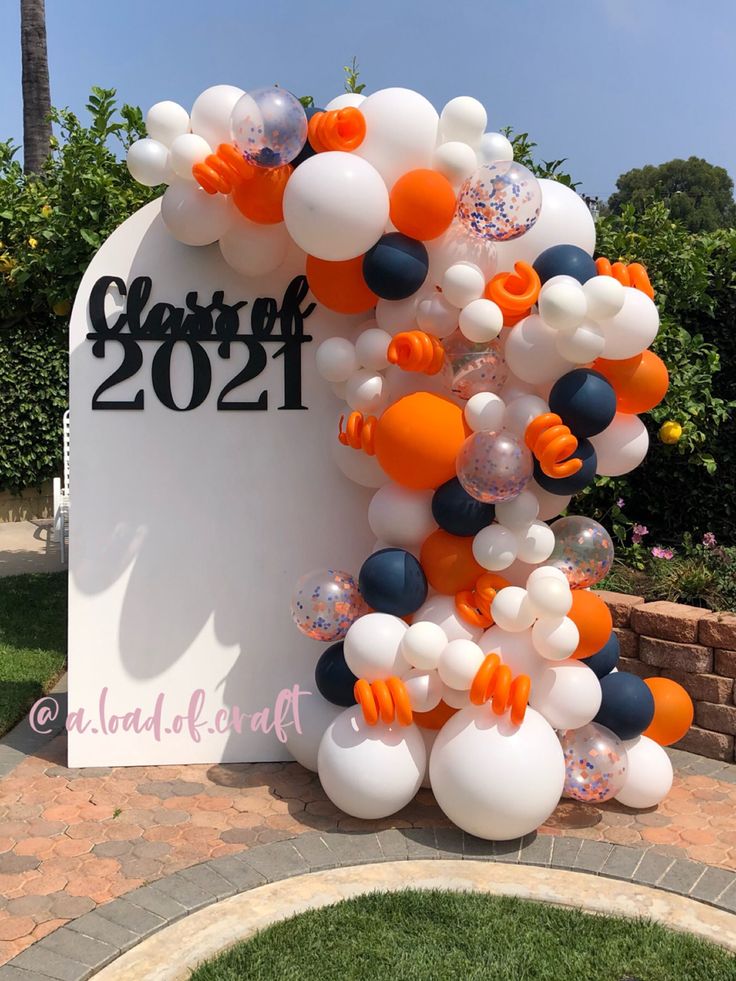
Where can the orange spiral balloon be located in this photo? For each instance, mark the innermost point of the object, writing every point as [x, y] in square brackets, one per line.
[495, 682]
[515, 292]
[338, 129]
[359, 432]
[553, 444]
[474, 605]
[415, 350]
[222, 171]
[385, 700]
[633, 274]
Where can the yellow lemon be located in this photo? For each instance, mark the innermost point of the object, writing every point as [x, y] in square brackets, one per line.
[670, 431]
[62, 308]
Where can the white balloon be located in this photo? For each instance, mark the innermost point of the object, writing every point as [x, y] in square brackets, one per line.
[424, 689]
[462, 283]
[622, 446]
[165, 121]
[253, 249]
[514, 649]
[511, 609]
[460, 245]
[481, 321]
[459, 663]
[494, 146]
[555, 637]
[395, 316]
[535, 543]
[455, 160]
[401, 132]
[370, 771]
[401, 517]
[422, 645]
[493, 779]
[442, 611]
[211, 113]
[567, 694]
[648, 775]
[336, 359]
[550, 505]
[455, 698]
[562, 303]
[550, 598]
[356, 466]
[605, 296]
[372, 646]
[564, 220]
[371, 347]
[521, 411]
[463, 119]
[484, 412]
[316, 714]
[348, 100]
[366, 391]
[582, 345]
[519, 512]
[335, 206]
[494, 547]
[148, 162]
[633, 328]
[429, 736]
[437, 316]
[193, 216]
[547, 572]
[186, 151]
[531, 352]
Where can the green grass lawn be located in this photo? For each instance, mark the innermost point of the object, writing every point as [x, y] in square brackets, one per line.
[422, 936]
[32, 640]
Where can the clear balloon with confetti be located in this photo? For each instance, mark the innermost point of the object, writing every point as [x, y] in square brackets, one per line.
[494, 467]
[269, 126]
[326, 603]
[583, 550]
[470, 368]
[595, 763]
[500, 201]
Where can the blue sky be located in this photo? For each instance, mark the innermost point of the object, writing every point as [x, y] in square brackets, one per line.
[610, 84]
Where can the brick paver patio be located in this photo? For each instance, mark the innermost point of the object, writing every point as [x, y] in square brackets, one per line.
[74, 839]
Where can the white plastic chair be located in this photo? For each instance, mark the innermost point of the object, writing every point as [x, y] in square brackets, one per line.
[61, 498]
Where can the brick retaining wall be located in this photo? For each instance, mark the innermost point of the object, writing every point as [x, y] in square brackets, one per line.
[692, 646]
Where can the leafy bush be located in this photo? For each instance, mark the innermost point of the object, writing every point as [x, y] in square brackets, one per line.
[50, 226]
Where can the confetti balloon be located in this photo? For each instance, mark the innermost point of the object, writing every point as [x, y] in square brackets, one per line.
[471, 368]
[269, 126]
[583, 550]
[325, 603]
[494, 467]
[501, 201]
[595, 763]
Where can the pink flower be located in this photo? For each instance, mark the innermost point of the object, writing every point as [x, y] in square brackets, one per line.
[662, 553]
[620, 502]
[709, 539]
[639, 531]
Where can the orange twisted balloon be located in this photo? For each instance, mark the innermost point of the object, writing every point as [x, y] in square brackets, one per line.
[515, 292]
[496, 682]
[415, 350]
[552, 444]
[387, 700]
[474, 605]
[633, 274]
[360, 432]
[338, 129]
[223, 171]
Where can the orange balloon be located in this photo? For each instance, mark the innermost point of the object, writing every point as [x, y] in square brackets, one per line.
[340, 285]
[640, 382]
[593, 619]
[422, 204]
[673, 711]
[448, 562]
[262, 197]
[417, 440]
[436, 717]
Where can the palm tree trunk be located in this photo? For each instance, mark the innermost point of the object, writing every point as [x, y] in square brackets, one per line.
[36, 94]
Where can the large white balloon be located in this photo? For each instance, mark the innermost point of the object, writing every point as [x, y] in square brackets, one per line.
[335, 206]
[583, 344]
[401, 132]
[358, 467]
[648, 775]
[370, 771]
[148, 162]
[424, 689]
[316, 714]
[372, 646]
[347, 100]
[165, 121]
[622, 446]
[550, 505]
[193, 216]
[441, 610]
[531, 352]
[633, 328]
[211, 113]
[460, 245]
[493, 779]
[567, 694]
[514, 649]
[254, 249]
[520, 511]
[401, 517]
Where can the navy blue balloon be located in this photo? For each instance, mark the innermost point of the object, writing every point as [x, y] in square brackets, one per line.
[571, 485]
[396, 266]
[565, 260]
[457, 512]
[606, 659]
[628, 705]
[584, 400]
[392, 581]
[307, 150]
[334, 678]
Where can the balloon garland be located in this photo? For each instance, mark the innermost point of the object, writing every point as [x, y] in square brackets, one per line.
[499, 370]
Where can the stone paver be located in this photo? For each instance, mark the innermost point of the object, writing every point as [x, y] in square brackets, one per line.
[79, 846]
